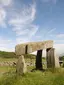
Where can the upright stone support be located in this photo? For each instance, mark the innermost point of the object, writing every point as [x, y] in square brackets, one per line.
[52, 59]
[21, 65]
[39, 60]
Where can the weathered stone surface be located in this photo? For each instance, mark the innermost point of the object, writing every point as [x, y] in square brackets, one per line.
[33, 46]
[7, 63]
[21, 66]
[39, 60]
[57, 65]
[52, 59]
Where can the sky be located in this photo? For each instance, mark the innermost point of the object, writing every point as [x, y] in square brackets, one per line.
[24, 21]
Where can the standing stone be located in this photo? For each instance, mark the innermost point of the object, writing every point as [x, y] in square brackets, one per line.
[21, 66]
[39, 60]
[52, 59]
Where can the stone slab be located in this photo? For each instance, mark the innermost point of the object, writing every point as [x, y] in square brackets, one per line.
[32, 46]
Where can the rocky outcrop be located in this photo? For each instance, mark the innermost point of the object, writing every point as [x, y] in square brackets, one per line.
[8, 63]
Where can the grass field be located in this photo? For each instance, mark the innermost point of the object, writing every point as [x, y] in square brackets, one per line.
[8, 74]
[8, 59]
[49, 77]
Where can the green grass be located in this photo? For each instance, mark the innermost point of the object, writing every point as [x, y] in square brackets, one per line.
[7, 59]
[8, 74]
[5, 69]
[34, 78]
[4, 54]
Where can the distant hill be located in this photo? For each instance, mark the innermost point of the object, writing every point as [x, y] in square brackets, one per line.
[4, 54]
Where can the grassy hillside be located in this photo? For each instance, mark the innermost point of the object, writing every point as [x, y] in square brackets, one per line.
[4, 54]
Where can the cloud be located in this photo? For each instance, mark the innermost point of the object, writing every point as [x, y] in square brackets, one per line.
[47, 1]
[52, 30]
[49, 33]
[2, 17]
[59, 49]
[20, 40]
[5, 2]
[59, 41]
[22, 22]
[7, 49]
[24, 17]
[3, 41]
[28, 31]
[6, 44]
[3, 12]
[60, 36]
